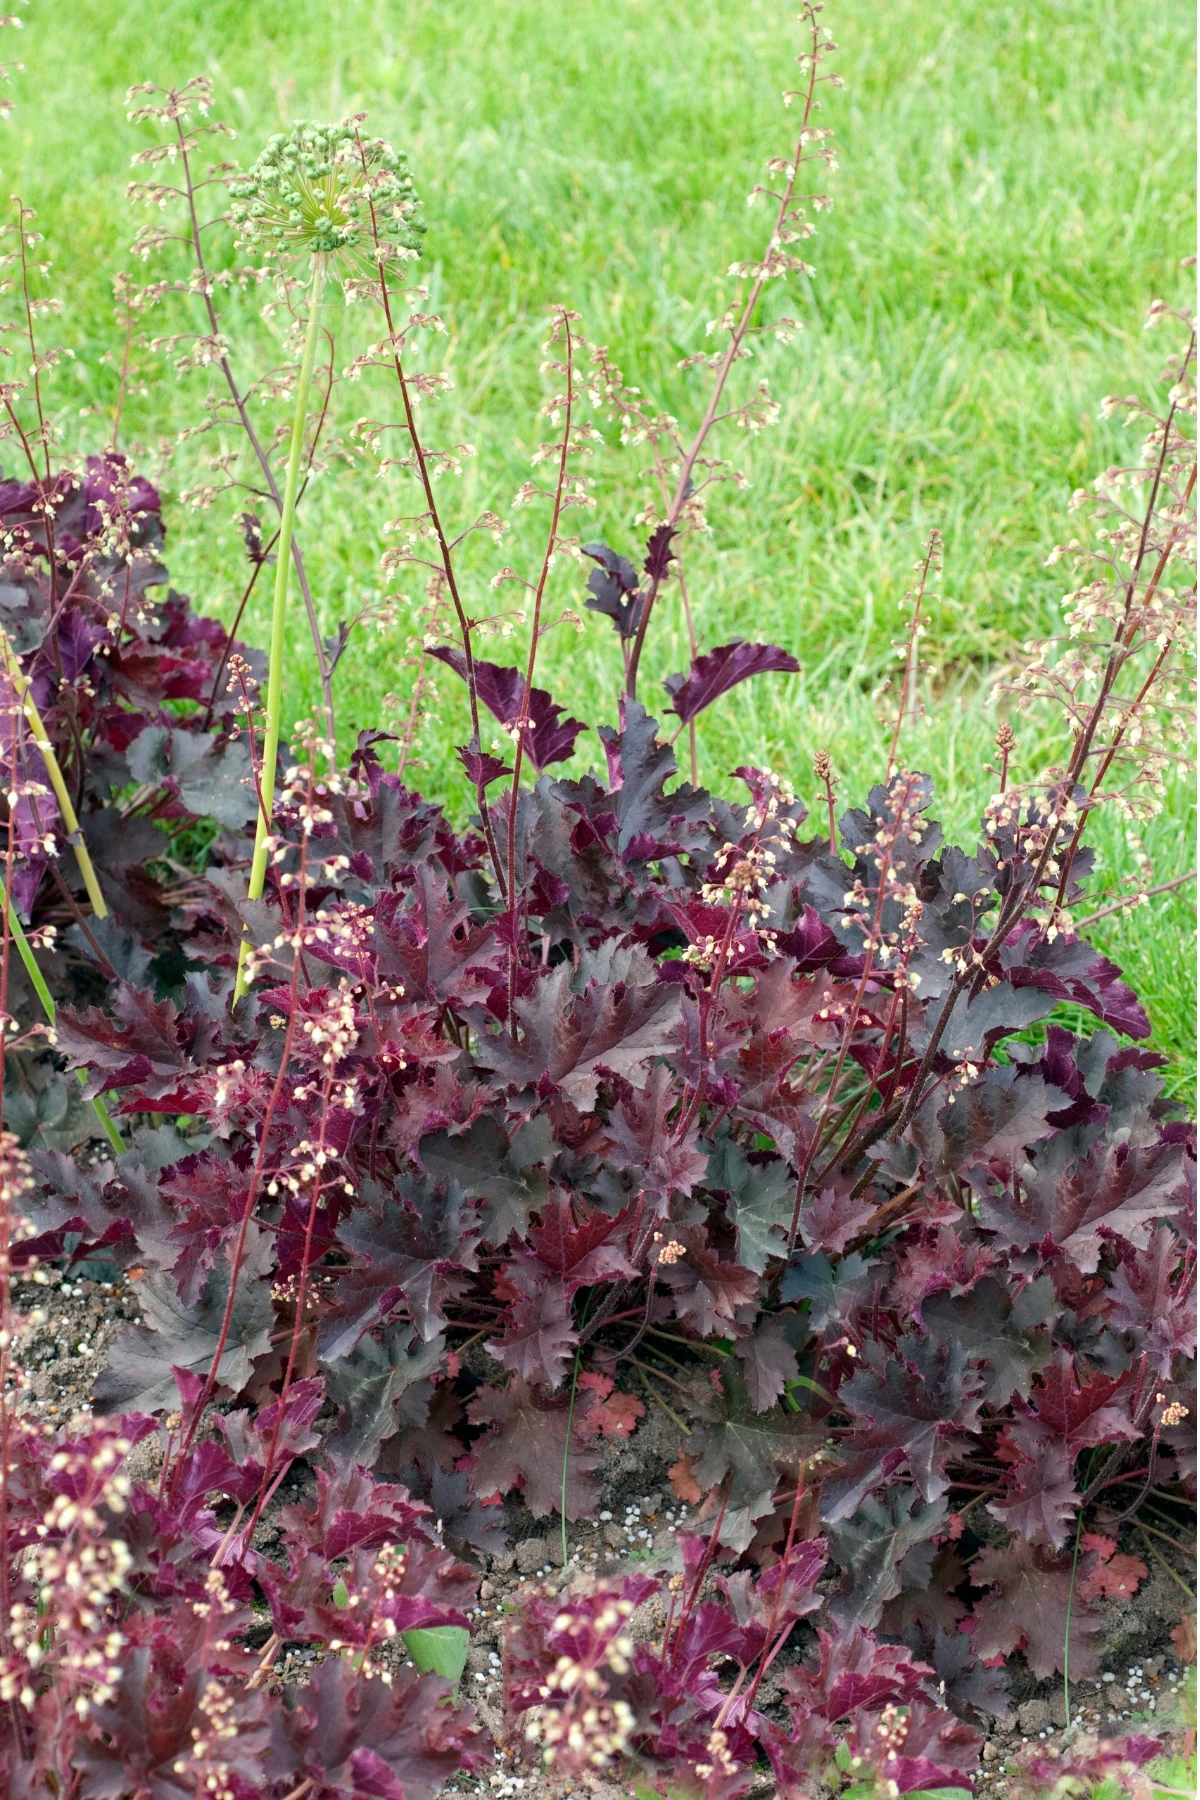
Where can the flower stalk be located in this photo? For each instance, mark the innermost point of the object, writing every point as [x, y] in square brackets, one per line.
[283, 566]
[311, 194]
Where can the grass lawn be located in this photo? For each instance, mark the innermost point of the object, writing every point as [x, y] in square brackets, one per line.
[1016, 186]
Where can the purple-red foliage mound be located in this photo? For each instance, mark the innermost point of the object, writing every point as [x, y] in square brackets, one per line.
[693, 1086]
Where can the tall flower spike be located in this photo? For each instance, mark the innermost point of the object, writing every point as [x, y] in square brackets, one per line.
[313, 190]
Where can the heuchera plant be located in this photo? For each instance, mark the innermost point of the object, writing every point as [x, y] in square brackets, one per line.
[130, 696]
[843, 1138]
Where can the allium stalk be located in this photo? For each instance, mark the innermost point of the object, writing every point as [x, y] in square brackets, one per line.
[325, 192]
[283, 569]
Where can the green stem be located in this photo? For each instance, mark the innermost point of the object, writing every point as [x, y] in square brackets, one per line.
[66, 806]
[1161, 1560]
[1067, 1626]
[283, 566]
[38, 983]
[657, 1397]
[567, 1453]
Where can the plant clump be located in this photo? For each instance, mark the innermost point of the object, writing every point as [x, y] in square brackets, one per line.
[445, 1153]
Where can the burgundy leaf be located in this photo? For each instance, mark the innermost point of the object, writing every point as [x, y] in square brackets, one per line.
[933, 1749]
[482, 767]
[549, 738]
[1153, 1295]
[1042, 1504]
[996, 1118]
[144, 1034]
[719, 670]
[832, 1220]
[406, 1250]
[706, 1290]
[580, 1254]
[526, 1447]
[810, 941]
[343, 1725]
[1036, 1604]
[659, 555]
[1069, 969]
[854, 1670]
[1094, 1411]
[613, 588]
[540, 1339]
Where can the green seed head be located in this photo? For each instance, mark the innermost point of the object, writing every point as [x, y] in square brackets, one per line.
[313, 192]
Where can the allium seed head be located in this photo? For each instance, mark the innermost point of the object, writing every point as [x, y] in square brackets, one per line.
[325, 190]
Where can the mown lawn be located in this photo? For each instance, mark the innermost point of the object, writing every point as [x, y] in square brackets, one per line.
[1016, 186]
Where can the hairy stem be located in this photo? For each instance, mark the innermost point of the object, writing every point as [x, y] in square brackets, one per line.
[736, 339]
[522, 724]
[435, 519]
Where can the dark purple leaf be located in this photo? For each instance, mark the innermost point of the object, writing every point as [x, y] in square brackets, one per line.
[1037, 1604]
[832, 1220]
[549, 738]
[968, 1684]
[613, 588]
[482, 767]
[639, 767]
[913, 1405]
[768, 1363]
[749, 1447]
[365, 765]
[381, 1386]
[1008, 1338]
[1153, 1294]
[138, 1376]
[1067, 968]
[714, 673]
[659, 554]
[1115, 1190]
[810, 941]
[568, 1038]
[872, 1544]
[762, 1196]
[250, 527]
[525, 1449]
